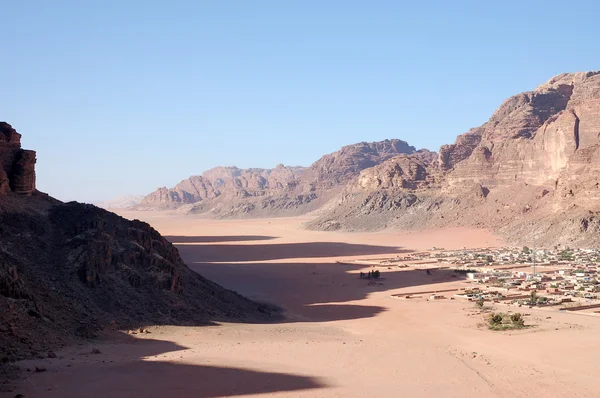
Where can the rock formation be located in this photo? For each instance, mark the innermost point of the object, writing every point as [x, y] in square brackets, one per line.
[17, 166]
[533, 168]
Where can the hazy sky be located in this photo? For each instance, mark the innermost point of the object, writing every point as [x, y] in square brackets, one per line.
[122, 97]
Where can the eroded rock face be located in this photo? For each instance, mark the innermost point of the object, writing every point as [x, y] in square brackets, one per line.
[414, 171]
[341, 167]
[533, 137]
[17, 172]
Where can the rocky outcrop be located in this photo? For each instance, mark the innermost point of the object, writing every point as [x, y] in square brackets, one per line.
[414, 171]
[17, 166]
[339, 168]
[450, 155]
[81, 269]
[532, 168]
[533, 137]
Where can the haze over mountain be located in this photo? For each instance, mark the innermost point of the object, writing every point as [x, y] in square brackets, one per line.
[535, 162]
[121, 202]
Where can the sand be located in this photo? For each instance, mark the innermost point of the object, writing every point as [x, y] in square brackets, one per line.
[342, 337]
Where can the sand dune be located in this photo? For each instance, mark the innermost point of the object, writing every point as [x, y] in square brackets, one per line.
[342, 337]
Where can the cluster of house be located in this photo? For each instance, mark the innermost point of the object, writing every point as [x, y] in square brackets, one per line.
[561, 275]
[525, 255]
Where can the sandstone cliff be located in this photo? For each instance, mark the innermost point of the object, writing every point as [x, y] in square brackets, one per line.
[533, 168]
[17, 166]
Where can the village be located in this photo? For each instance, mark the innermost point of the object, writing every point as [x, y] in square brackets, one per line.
[559, 279]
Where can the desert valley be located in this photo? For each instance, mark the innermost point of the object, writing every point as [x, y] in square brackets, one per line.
[378, 271]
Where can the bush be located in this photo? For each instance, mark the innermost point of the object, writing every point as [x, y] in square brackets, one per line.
[480, 302]
[534, 298]
[517, 319]
[500, 321]
[496, 319]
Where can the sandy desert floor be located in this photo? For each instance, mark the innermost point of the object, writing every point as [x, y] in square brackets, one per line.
[342, 336]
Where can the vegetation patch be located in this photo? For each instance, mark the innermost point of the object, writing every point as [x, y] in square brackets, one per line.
[504, 321]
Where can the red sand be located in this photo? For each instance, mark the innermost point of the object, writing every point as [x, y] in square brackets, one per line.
[343, 337]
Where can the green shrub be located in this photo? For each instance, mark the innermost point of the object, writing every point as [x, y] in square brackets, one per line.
[496, 319]
[517, 319]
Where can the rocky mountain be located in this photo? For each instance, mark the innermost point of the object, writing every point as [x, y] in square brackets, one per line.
[68, 270]
[532, 169]
[229, 191]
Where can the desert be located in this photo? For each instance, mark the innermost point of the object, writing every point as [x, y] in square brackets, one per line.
[341, 336]
[299, 199]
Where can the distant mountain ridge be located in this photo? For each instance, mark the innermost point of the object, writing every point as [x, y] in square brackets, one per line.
[283, 190]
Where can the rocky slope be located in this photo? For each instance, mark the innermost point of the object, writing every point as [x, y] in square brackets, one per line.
[531, 169]
[70, 270]
[229, 191]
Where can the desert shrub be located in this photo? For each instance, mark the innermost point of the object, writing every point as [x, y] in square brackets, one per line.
[480, 302]
[500, 321]
[496, 319]
[533, 299]
[517, 319]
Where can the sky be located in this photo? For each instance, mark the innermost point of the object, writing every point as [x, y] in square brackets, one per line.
[123, 97]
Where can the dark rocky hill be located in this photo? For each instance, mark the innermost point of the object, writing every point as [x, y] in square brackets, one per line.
[68, 270]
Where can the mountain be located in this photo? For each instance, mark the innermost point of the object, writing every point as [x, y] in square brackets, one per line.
[532, 169]
[122, 202]
[229, 191]
[68, 270]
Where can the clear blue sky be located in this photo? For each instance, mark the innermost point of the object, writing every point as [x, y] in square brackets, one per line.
[122, 97]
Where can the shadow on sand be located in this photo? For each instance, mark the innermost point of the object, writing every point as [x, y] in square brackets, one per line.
[307, 291]
[279, 251]
[216, 239]
[316, 292]
[133, 377]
